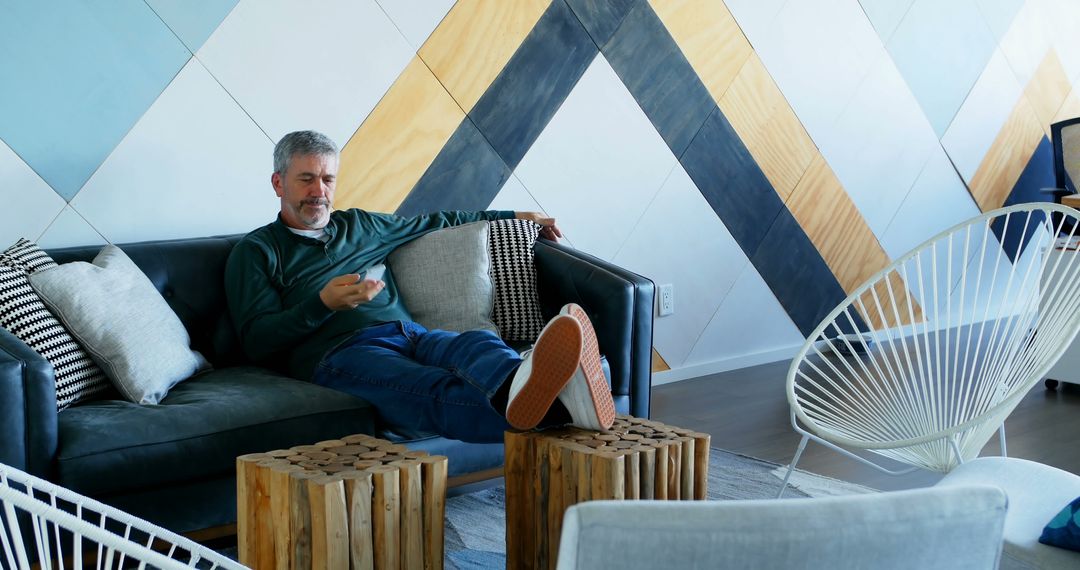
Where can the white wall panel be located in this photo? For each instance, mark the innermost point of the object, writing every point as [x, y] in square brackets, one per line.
[681, 241]
[514, 196]
[999, 14]
[598, 164]
[982, 115]
[885, 15]
[879, 144]
[294, 67]
[755, 17]
[194, 165]
[68, 229]
[937, 201]
[749, 321]
[30, 204]
[1063, 25]
[416, 18]
[1027, 40]
[818, 51]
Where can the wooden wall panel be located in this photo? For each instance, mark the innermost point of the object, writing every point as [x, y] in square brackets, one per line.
[397, 143]
[709, 37]
[768, 126]
[1007, 157]
[475, 40]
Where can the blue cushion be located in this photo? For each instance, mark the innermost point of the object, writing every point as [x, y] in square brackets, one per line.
[1064, 529]
[198, 430]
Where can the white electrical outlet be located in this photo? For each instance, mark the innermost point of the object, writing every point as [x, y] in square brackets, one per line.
[667, 300]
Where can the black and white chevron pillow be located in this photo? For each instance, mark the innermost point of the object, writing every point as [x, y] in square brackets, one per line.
[517, 304]
[25, 316]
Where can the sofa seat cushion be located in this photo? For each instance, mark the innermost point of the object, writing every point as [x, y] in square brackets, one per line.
[198, 430]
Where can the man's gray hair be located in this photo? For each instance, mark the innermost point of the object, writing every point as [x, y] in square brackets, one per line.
[301, 143]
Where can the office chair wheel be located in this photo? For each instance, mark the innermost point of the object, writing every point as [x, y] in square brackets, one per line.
[1051, 384]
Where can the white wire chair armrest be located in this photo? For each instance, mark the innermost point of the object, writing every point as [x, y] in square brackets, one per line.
[28, 496]
[901, 368]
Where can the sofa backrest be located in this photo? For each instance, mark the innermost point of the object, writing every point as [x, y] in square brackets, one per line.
[190, 274]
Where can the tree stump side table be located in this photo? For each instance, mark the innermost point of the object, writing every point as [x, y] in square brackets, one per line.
[548, 471]
[357, 502]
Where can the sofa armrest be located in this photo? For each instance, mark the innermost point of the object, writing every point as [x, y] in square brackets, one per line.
[620, 305]
[27, 407]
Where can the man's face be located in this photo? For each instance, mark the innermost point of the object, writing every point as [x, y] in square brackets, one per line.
[307, 190]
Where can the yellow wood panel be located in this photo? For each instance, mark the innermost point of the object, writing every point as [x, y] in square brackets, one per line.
[1047, 89]
[475, 40]
[658, 362]
[1070, 109]
[709, 37]
[768, 127]
[397, 142]
[839, 233]
[831, 220]
[1007, 157]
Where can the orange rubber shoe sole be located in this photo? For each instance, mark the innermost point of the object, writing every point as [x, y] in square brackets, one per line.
[594, 372]
[554, 359]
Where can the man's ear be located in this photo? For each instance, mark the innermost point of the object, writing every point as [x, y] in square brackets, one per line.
[275, 181]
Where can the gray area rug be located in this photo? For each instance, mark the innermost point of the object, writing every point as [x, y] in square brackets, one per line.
[475, 523]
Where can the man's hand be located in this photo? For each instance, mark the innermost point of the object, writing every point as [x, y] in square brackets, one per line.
[346, 292]
[548, 229]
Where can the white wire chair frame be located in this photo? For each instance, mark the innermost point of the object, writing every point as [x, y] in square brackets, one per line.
[68, 530]
[924, 361]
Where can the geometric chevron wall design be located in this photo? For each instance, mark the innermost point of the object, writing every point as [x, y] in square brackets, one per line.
[765, 157]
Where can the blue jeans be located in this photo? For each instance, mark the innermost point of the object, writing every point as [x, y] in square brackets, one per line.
[434, 381]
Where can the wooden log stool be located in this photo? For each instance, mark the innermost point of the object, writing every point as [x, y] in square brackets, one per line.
[548, 471]
[357, 502]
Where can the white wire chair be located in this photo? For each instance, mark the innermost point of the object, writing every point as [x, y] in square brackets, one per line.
[925, 360]
[68, 530]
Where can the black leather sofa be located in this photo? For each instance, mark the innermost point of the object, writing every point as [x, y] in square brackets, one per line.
[173, 463]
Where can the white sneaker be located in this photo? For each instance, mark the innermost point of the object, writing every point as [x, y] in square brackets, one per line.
[544, 372]
[587, 395]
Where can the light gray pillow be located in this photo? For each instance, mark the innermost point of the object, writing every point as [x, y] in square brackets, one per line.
[114, 311]
[444, 280]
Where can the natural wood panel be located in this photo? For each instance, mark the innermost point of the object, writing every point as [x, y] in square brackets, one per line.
[709, 37]
[835, 226]
[1007, 157]
[400, 138]
[1047, 89]
[475, 40]
[837, 229]
[658, 362]
[768, 127]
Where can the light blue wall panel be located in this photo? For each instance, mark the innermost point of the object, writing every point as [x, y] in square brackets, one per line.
[885, 15]
[999, 14]
[941, 48]
[192, 20]
[68, 101]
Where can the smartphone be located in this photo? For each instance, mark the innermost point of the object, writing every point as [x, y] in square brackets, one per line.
[375, 272]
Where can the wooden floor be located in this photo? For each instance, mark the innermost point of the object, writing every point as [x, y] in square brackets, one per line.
[746, 411]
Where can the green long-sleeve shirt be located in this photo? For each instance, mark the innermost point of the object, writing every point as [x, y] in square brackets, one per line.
[273, 278]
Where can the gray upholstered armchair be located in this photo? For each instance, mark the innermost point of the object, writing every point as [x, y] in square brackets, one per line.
[957, 528]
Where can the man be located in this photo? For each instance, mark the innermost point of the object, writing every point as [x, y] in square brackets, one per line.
[296, 289]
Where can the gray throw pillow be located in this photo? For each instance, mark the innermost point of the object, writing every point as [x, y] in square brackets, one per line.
[114, 311]
[443, 278]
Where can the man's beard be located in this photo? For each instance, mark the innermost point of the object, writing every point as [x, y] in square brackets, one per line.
[314, 216]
